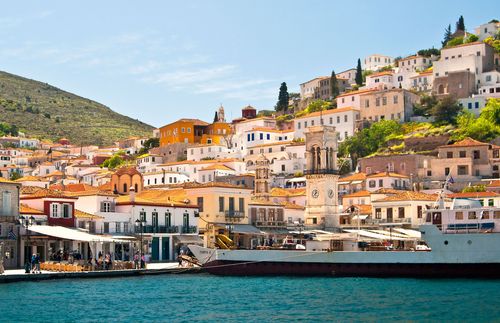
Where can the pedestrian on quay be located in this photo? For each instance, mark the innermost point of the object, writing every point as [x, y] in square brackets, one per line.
[37, 264]
[136, 261]
[33, 263]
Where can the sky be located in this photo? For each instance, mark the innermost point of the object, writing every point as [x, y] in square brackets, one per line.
[158, 61]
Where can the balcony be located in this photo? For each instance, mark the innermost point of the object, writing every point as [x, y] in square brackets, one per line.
[270, 224]
[167, 229]
[234, 214]
[320, 171]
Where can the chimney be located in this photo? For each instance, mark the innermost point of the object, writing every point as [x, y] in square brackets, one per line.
[132, 194]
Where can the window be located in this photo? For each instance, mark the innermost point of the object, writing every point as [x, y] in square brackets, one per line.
[118, 227]
[168, 219]
[401, 212]
[6, 204]
[241, 203]
[384, 101]
[261, 136]
[446, 171]
[377, 102]
[459, 215]
[66, 211]
[345, 118]
[380, 183]
[338, 119]
[221, 203]
[154, 216]
[496, 215]
[183, 130]
[125, 226]
[469, 105]
[463, 170]
[142, 215]
[298, 125]
[305, 124]
[106, 227]
[472, 215]
[378, 213]
[419, 211]
[283, 168]
[199, 201]
[312, 123]
[331, 120]
[449, 154]
[395, 99]
[268, 137]
[54, 210]
[462, 154]
[367, 103]
[231, 204]
[491, 202]
[372, 183]
[476, 154]
[188, 130]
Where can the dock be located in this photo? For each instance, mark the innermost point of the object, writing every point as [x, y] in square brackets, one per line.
[18, 275]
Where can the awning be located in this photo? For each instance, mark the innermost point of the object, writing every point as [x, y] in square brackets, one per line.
[362, 217]
[409, 232]
[378, 236]
[70, 234]
[245, 229]
[297, 180]
[189, 239]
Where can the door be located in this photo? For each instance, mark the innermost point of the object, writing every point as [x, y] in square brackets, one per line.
[389, 214]
[155, 222]
[165, 248]
[155, 249]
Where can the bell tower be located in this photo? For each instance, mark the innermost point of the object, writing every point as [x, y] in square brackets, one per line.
[321, 177]
[262, 178]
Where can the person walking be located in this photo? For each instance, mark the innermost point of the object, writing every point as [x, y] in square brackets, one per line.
[33, 261]
[37, 264]
[136, 261]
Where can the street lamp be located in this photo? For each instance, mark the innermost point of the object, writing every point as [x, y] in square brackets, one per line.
[140, 225]
[26, 222]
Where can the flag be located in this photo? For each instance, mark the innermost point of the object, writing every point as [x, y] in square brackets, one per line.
[12, 235]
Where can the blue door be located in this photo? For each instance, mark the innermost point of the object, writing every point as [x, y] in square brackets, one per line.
[165, 248]
[156, 249]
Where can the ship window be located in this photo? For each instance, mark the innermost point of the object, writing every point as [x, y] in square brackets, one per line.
[496, 215]
[472, 215]
[486, 214]
[459, 215]
[446, 242]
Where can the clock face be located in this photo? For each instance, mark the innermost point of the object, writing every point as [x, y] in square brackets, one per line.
[315, 193]
[330, 193]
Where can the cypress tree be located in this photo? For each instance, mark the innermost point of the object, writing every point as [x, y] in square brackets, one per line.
[447, 35]
[283, 98]
[359, 74]
[216, 117]
[461, 24]
[334, 86]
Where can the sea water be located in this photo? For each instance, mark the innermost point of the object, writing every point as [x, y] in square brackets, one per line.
[183, 298]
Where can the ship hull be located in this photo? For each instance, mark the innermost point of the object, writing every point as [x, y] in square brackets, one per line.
[427, 270]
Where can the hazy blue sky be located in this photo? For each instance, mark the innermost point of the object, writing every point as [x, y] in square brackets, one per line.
[162, 60]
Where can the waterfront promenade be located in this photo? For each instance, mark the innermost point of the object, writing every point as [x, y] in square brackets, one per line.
[18, 275]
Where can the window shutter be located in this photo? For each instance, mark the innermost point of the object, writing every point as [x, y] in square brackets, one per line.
[102, 206]
[280, 214]
[112, 207]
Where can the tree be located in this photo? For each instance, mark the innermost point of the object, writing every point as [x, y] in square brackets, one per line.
[283, 98]
[148, 144]
[447, 36]
[429, 52]
[491, 111]
[423, 108]
[216, 117]
[359, 74]
[461, 24]
[485, 128]
[369, 140]
[334, 85]
[113, 162]
[15, 175]
[446, 110]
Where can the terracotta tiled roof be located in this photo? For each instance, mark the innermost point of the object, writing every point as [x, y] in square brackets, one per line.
[294, 206]
[33, 192]
[287, 192]
[263, 202]
[4, 180]
[265, 129]
[467, 142]
[408, 196]
[127, 170]
[357, 92]
[31, 179]
[386, 174]
[473, 195]
[494, 183]
[327, 112]
[172, 198]
[25, 209]
[357, 194]
[218, 167]
[353, 177]
[390, 73]
[84, 215]
[363, 208]
[105, 187]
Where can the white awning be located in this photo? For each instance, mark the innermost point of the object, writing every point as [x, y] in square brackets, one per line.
[189, 239]
[409, 232]
[378, 236]
[70, 234]
[362, 217]
[296, 180]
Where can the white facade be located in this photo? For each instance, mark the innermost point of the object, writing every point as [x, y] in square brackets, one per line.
[474, 104]
[344, 120]
[376, 61]
[422, 82]
[487, 30]
[349, 74]
[307, 89]
[167, 177]
[382, 79]
[200, 152]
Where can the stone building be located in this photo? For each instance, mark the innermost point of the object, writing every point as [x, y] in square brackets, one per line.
[9, 228]
[125, 178]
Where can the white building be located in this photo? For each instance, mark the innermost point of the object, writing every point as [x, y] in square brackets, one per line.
[487, 30]
[344, 120]
[376, 61]
[210, 151]
[384, 80]
[349, 74]
[422, 82]
[307, 89]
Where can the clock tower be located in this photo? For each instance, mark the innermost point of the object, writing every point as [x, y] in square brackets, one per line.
[321, 177]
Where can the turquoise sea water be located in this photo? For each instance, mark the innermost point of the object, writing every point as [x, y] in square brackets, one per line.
[183, 298]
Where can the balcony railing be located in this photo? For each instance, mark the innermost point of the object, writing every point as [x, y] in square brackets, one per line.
[320, 171]
[234, 214]
[270, 224]
[166, 229]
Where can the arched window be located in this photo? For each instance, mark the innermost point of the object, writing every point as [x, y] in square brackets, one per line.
[440, 89]
[124, 188]
[136, 187]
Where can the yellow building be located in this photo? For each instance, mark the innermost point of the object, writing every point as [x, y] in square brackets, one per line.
[194, 131]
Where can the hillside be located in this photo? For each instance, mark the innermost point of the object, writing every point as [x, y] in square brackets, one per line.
[44, 111]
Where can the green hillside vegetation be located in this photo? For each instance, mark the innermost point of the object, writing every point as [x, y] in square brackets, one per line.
[44, 111]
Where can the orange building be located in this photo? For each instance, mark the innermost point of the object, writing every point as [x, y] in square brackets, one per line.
[183, 130]
[194, 131]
